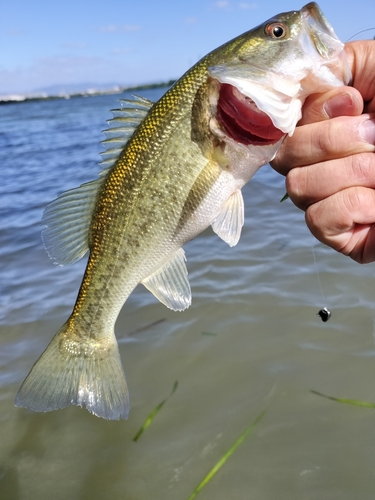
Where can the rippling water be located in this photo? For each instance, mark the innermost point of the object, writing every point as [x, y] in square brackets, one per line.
[250, 341]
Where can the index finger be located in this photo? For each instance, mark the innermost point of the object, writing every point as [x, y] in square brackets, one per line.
[324, 141]
[361, 58]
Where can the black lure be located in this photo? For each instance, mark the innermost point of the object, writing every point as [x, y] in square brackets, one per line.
[324, 314]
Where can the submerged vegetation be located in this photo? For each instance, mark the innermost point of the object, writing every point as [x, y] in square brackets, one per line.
[152, 415]
[222, 460]
[226, 455]
[354, 402]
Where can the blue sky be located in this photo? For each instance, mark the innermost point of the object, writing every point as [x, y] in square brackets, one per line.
[44, 43]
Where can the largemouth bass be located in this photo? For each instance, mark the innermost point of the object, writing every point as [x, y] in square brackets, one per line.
[172, 169]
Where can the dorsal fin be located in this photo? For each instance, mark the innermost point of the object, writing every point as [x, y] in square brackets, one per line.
[68, 218]
[122, 126]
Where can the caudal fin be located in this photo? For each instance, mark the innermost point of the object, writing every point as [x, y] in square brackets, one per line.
[81, 372]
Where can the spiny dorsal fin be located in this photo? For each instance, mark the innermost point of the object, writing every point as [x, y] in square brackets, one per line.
[122, 126]
[229, 222]
[68, 218]
[170, 283]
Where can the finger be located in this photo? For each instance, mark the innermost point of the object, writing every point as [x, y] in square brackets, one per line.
[317, 142]
[361, 58]
[340, 101]
[369, 107]
[308, 185]
[344, 221]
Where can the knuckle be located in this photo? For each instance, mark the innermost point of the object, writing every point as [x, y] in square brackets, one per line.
[329, 141]
[313, 220]
[334, 139]
[282, 161]
[354, 199]
[362, 167]
[296, 186]
[277, 162]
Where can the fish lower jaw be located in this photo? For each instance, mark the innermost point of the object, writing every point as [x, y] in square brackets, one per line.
[240, 161]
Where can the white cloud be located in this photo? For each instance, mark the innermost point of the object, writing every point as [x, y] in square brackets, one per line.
[74, 45]
[15, 32]
[122, 50]
[119, 28]
[225, 5]
[247, 6]
[57, 70]
[222, 4]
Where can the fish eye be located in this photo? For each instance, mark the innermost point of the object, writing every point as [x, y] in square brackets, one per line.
[276, 30]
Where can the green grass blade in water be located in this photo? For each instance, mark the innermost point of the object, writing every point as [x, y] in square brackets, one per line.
[225, 457]
[284, 198]
[346, 401]
[152, 415]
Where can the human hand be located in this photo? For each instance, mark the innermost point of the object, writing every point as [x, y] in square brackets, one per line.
[329, 162]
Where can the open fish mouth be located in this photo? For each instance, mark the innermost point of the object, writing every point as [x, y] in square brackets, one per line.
[242, 120]
[260, 96]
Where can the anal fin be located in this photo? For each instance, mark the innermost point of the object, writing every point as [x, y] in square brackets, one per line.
[170, 283]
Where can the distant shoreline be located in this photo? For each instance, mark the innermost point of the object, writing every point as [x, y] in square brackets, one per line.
[86, 93]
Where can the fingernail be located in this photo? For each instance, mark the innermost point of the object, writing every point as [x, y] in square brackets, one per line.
[367, 131]
[340, 105]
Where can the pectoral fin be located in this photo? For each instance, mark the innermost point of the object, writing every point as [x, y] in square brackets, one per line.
[67, 220]
[170, 283]
[229, 222]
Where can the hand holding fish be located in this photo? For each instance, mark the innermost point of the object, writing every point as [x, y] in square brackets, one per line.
[330, 162]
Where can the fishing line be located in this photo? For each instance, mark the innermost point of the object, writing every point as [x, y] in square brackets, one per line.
[359, 32]
[324, 313]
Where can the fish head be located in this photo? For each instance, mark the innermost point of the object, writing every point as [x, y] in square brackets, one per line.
[263, 77]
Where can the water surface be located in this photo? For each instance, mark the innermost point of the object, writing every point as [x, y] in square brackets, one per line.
[251, 341]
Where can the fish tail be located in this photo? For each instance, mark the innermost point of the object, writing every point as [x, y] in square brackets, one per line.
[79, 371]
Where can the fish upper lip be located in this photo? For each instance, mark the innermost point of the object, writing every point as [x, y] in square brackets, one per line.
[321, 39]
[312, 14]
[320, 32]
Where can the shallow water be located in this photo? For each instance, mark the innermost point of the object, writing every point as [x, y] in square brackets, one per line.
[251, 341]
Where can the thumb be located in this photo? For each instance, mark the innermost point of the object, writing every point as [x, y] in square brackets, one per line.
[339, 101]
